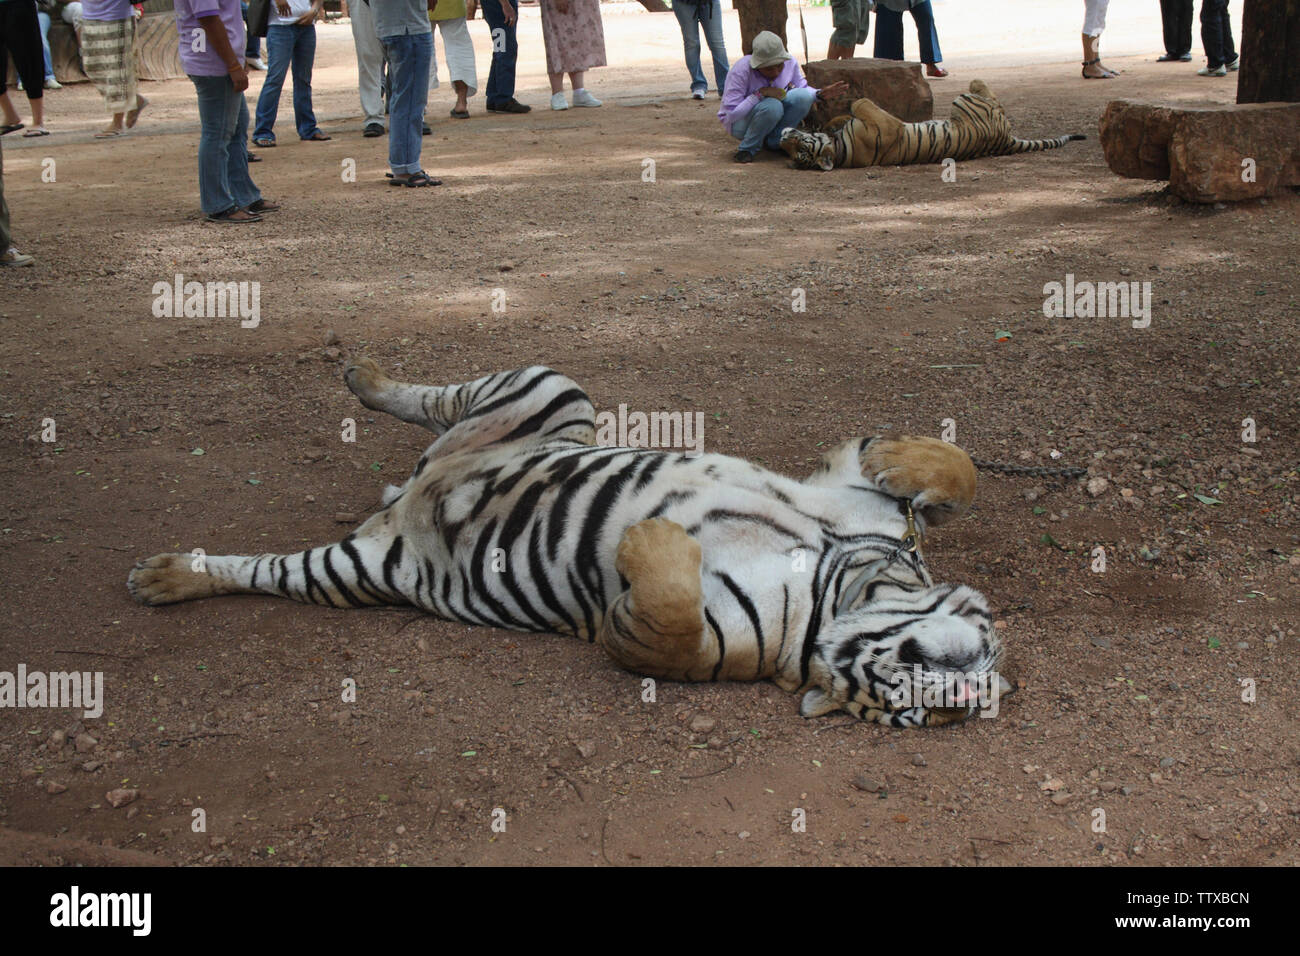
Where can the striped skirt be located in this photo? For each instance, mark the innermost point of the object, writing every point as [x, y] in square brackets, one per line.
[108, 55]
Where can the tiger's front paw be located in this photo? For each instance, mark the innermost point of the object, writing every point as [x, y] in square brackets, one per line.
[167, 579]
[937, 476]
[366, 380]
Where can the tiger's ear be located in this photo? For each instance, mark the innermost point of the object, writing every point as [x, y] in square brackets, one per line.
[825, 163]
[817, 702]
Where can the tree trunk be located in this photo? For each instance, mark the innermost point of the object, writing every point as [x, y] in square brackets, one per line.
[1270, 52]
[757, 16]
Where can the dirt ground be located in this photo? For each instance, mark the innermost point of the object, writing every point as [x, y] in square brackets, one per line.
[674, 294]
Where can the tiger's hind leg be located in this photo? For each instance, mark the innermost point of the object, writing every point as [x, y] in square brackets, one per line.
[937, 476]
[656, 626]
[534, 402]
[372, 566]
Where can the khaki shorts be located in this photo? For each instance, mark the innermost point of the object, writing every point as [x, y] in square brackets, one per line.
[851, 19]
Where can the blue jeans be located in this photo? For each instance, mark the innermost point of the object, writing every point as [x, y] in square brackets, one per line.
[224, 182]
[763, 125]
[501, 78]
[287, 45]
[44, 19]
[889, 33]
[408, 69]
[253, 48]
[686, 18]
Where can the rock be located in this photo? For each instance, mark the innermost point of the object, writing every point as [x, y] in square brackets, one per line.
[1097, 485]
[1051, 786]
[331, 337]
[90, 766]
[918, 760]
[1108, 786]
[332, 354]
[1061, 799]
[587, 748]
[868, 784]
[702, 725]
[52, 788]
[1201, 150]
[120, 797]
[345, 517]
[1099, 642]
[896, 87]
[85, 743]
[56, 740]
[1167, 761]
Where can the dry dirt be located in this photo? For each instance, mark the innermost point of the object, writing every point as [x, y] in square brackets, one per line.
[667, 295]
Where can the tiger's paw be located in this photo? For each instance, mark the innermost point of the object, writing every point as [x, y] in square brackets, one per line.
[937, 476]
[367, 381]
[167, 579]
[661, 563]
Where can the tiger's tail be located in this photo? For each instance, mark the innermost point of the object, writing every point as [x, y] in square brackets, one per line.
[1038, 145]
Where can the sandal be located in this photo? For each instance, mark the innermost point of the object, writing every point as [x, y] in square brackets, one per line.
[423, 179]
[316, 137]
[110, 133]
[460, 114]
[264, 143]
[936, 71]
[133, 116]
[236, 215]
[263, 205]
[10, 127]
[36, 131]
[1105, 73]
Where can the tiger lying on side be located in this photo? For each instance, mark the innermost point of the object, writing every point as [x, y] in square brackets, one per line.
[871, 137]
[695, 569]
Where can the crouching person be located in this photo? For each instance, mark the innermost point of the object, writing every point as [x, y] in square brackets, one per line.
[765, 93]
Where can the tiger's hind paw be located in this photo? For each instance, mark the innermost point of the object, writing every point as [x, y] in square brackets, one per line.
[937, 476]
[367, 381]
[167, 579]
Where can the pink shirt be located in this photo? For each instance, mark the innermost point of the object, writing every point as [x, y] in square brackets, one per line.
[198, 58]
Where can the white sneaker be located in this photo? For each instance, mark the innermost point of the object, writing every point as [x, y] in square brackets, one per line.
[52, 84]
[12, 257]
[256, 63]
[583, 98]
[1234, 66]
[697, 94]
[558, 102]
[1217, 71]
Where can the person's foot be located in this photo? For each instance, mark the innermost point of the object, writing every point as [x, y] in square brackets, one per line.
[263, 142]
[583, 98]
[743, 156]
[1185, 58]
[52, 84]
[36, 131]
[316, 137]
[10, 127]
[133, 116]
[12, 257]
[109, 132]
[1093, 70]
[425, 130]
[263, 205]
[558, 102]
[256, 63]
[698, 94]
[460, 112]
[935, 70]
[1207, 70]
[236, 215]
[1234, 66]
[511, 105]
[372, 130]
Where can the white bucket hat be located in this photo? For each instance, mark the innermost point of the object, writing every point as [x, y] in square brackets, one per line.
[768, 51]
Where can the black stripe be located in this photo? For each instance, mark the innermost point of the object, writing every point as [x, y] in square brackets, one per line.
[347, 595]
[722, 644]
[751, 612]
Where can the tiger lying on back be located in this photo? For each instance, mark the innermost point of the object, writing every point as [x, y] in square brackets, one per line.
[695, 569]
[871, 137]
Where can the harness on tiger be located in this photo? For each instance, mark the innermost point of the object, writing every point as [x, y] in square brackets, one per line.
[910, 545]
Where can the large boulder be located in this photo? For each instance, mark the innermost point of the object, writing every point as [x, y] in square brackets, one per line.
[894, 86]
[1208, 154]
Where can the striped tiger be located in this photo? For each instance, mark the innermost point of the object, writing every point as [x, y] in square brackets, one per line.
[871, 137]
[688, 568]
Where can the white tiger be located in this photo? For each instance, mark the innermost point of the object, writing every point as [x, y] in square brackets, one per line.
[690, 568]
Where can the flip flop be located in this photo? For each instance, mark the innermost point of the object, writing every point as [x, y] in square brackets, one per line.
[264, 143]
[423, 179]
[460, 114]
[10, 127]
[36, 131]
[316, 137]
[263, 205]
[109, 133]
[133, 116]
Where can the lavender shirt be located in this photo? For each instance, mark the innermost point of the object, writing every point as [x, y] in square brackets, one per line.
[106, 10]
[205, 61]
[744, 82]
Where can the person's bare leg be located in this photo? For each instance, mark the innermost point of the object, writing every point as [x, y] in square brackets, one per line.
[576, 79]
[116, 124]
[462, 93]
[38, 111]
[557, 82]
[836, 52]
[7, 107]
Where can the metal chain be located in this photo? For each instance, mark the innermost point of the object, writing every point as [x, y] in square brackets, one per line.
[1037, 471]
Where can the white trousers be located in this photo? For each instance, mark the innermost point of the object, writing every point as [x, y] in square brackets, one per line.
[459, 50]
[370, 61]
[1094, 17]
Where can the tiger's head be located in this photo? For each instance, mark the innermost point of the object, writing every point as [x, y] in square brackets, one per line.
[809, 150]
[907, 649]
